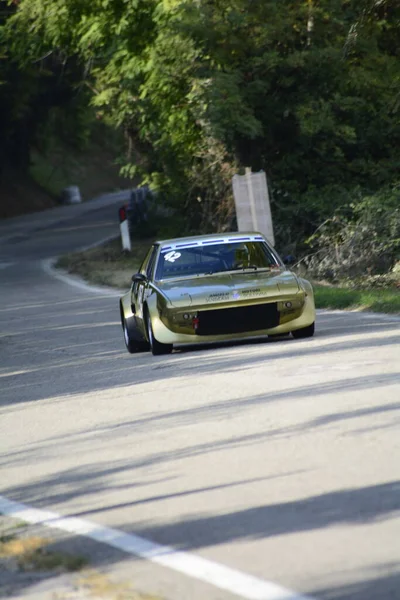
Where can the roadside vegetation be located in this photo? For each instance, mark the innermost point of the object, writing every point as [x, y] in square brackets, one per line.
[183, 95]
[106, 265]
[26, 559]
[347, 298]
[26, 552]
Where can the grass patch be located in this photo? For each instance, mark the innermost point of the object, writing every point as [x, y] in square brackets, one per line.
[378, 300]
[101, 586]
[31, 554]
[109, 265]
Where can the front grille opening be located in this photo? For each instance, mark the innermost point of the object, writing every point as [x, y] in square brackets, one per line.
[238, 320]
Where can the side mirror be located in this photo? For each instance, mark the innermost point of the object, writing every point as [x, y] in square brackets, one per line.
[138, 277]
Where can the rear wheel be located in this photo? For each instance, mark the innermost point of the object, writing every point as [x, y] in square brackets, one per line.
[305, 332]
[131, 344]
[156, 347]
[131, 334]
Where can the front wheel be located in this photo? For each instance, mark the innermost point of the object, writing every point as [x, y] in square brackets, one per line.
[305, 332]
[156, 347]
[131, 344]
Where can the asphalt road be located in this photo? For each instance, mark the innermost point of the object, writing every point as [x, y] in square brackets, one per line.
[279, 459]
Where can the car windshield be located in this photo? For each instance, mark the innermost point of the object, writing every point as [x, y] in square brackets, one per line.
[214, 258]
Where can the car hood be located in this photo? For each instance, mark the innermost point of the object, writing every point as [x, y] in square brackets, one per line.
[228, 287]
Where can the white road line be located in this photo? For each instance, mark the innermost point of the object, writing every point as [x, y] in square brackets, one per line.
[48, 267]
[78, 282]
[224, 578]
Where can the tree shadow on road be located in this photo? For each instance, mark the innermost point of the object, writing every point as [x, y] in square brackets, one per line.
[351, 506]
[384, 587]
[212, 411]
[83, 352]
[55, 360]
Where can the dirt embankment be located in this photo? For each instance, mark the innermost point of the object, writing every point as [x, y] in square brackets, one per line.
[20, 194]
[93, 170]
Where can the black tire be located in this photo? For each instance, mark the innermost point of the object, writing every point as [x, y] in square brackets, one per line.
[156, 347]
[133, 346]
[305, 332]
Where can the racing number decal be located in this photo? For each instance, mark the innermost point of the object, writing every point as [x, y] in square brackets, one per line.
[172, 256]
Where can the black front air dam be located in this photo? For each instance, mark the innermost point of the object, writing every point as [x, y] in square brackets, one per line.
[238, 320]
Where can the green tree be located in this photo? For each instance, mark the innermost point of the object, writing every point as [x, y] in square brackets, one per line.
[41, 94]
[306, 90]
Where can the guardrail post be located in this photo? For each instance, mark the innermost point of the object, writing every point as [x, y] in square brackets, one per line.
[124, 228]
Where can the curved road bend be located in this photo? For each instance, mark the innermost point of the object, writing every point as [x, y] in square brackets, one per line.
[278, 459]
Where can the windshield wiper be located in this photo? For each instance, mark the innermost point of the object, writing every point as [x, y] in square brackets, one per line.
[248, 268]
[234, 270]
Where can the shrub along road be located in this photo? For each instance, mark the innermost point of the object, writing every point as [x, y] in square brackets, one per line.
[278, 459]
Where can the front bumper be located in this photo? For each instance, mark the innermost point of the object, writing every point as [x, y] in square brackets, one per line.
[172, 328]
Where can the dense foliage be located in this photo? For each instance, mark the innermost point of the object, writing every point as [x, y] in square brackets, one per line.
[40, 96]
[360, 242]
[308, 90]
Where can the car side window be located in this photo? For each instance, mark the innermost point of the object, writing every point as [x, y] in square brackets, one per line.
[145, 263]
[150, 264]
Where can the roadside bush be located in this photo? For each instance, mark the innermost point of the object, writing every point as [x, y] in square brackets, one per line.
[361, 242]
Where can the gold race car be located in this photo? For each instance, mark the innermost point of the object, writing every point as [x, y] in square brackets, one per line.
[213, 288]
